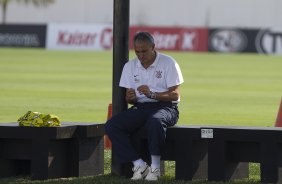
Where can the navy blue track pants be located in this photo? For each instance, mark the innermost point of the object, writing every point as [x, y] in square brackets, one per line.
[156, 117]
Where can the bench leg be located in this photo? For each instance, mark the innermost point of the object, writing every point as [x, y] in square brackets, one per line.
[200, 160]
[85, 157]
[7, 168]
[183, 169]
[39, 160]
[191, 160]
[269, 165]
[216, 163]
[220, 168]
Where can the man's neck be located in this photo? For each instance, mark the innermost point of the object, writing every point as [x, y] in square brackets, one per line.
[146, 65]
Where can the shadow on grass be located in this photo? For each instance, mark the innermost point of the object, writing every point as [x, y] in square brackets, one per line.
[108, 178]
[168, 178]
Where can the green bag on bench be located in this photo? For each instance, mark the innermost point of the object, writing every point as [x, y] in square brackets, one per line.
[36, 119]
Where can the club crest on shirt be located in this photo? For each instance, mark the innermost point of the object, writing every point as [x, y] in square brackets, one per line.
[159, 74]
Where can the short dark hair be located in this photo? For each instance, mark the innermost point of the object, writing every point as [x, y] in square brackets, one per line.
[143, 36]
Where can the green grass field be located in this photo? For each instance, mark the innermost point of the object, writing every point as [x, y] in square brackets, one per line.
[219, 89]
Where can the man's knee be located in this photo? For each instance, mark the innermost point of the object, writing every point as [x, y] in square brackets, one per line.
[154, 123]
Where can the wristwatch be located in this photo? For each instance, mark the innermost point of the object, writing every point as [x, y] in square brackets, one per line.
[152, 95]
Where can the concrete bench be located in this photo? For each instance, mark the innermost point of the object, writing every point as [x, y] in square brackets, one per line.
[231, 146]
[184, 145]
[73, 149]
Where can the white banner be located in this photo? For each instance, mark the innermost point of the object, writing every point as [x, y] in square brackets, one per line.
[79, 36]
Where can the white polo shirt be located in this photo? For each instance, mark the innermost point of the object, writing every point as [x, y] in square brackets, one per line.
[162, 74]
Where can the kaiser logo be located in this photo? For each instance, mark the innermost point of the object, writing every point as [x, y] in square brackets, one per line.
[228, 41]
[269, 41]
[76, 38]
[189, 41]
[166, 40]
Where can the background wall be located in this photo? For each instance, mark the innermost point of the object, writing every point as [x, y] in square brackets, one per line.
[195, 13]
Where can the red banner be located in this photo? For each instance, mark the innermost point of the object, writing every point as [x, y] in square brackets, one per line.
[176, 39]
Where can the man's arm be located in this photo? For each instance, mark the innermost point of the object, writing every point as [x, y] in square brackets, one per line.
[171, 95]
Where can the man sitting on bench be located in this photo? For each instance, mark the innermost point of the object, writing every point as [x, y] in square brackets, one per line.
[152, 83]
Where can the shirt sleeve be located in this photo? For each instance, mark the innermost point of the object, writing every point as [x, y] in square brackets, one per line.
[126, 77]
[174, 75]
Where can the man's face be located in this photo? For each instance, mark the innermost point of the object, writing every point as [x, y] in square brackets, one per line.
[144, 51]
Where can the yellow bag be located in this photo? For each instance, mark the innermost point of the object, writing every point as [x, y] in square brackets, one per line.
[36, 119]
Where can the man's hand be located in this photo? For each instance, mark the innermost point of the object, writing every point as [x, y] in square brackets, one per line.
[130, 96]
[144, 89]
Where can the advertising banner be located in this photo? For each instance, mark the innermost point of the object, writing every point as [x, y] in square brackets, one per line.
[175, 39]
[232, 40]
[79, 36]
[22, 35]
[262, 41]
[100, 37]
[269, 41]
